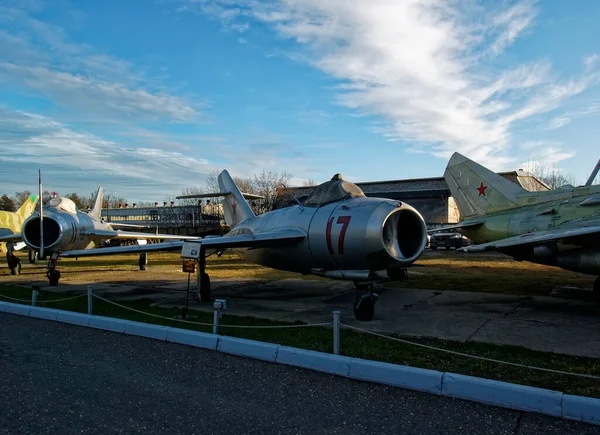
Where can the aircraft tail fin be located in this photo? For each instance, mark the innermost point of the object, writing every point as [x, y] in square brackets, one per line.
[27, 207]
[235, 207]
[97, 208]
[477, 190]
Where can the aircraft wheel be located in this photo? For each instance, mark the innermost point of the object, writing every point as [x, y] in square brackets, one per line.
[32, 256]
[143, 261]
[53, 277]
[597, 290]
[205, 288]
[364, 307]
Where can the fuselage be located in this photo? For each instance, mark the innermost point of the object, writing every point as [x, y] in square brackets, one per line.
[345, 239]
[65, 228]
[562, 208]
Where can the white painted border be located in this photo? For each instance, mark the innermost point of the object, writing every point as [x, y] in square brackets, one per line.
[503, 394]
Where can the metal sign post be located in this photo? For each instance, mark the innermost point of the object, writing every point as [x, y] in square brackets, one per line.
[189, 266]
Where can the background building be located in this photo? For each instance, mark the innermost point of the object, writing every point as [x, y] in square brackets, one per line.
[430, 196]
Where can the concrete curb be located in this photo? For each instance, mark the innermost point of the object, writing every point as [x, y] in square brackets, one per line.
[503, 394]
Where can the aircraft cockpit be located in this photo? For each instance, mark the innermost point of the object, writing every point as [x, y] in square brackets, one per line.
[333, 190]
[64, 204]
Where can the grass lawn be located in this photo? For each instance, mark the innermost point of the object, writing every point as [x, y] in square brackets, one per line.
[360, 345]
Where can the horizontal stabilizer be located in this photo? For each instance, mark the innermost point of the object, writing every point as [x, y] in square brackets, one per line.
[214, 195]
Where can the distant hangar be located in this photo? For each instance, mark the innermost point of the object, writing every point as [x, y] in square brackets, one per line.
[430, 196]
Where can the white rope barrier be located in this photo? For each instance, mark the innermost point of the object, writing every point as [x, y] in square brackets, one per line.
[481, 358]
[15, 299]
[207, 324]
[60, 300]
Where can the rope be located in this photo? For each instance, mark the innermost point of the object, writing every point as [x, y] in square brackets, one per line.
[60, 300]
[481, 358]
[15, 299]
[207, 324]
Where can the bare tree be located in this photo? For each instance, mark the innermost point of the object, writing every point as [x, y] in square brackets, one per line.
[310, 182]
[7, 203]
[553, 177]
[265, 184]
[21, 197]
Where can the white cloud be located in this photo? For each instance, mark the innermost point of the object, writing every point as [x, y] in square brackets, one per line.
[81, 157]
[427, 67]
[558, 122]
[40, 57]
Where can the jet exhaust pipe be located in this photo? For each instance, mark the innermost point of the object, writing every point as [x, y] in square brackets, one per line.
[404, 234]
[52, 232]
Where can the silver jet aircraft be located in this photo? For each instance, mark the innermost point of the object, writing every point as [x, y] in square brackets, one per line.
[336, 233]
[59, 228]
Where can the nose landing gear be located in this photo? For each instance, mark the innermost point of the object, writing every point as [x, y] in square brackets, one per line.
[52, 273]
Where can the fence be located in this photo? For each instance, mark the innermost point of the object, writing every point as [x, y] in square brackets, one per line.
[220, 305]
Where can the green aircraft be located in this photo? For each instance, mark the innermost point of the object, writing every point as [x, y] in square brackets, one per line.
[559, 227]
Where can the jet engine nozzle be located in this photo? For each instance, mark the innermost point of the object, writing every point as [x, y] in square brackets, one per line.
[404, 234]
[52, 232]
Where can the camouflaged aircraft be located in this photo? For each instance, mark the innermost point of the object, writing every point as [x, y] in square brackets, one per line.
[12, 222]
[559, 227]
[336, 233]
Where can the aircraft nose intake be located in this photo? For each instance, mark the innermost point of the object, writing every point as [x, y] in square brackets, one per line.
[405, 234]
[52, 232]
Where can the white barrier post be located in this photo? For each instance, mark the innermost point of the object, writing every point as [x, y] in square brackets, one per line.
[336, 332]
[89, 297]
[218, 306]
[34, 295]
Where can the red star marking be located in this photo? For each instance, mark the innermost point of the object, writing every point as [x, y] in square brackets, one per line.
[481, 189]
[233, 206]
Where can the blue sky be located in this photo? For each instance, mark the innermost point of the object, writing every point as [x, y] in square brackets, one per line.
[147, 97]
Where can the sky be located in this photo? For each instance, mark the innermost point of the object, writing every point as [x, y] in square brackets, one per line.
[148, 97]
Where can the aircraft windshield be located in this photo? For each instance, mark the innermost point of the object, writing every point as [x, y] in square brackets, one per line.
[334, 190]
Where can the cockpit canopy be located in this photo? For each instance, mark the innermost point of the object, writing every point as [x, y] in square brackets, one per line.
[334, 190]
[64, 204]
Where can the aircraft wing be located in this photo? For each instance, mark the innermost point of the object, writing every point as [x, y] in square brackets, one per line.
[536, 237]
[7, 236]
[467, 224]
[116, 234]
[264, 240]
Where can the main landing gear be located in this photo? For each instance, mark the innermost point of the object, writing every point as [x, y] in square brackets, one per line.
[143, 261]
[203, 278]
[597, 290]
[364, 305]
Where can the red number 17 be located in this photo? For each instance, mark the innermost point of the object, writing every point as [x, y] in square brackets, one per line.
[345, 221]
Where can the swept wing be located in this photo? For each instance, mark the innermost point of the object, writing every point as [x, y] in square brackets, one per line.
[467, 224]
[263, 240]
[564, 234]
[116, 234]
[8, 236]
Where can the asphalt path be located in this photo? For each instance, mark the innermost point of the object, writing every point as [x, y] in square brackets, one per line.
[59, 378]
